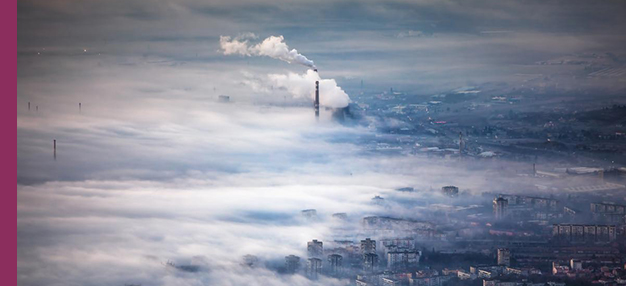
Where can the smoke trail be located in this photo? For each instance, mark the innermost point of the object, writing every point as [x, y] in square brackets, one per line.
[273, 47]
[298, 85]
[331, 95]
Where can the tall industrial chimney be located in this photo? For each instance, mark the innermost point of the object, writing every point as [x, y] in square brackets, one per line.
[317, 99]
[55, 148]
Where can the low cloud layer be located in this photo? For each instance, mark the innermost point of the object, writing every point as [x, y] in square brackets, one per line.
[150, 173]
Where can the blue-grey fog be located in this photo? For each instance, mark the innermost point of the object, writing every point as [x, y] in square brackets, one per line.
[284, 142]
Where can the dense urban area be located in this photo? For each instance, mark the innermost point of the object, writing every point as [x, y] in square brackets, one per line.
[561, 222]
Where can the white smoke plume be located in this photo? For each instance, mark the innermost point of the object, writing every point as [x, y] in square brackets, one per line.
[303, 85]
[273, 47]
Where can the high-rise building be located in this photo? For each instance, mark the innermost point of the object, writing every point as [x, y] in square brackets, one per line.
[335, 263]
[504, 257]
[378, 200]
[313, 268]
[370, 262]
[403, 258]
[315, 248]
[250, 260]
[310, 213]
[584, 233]
[368, 246]
[450, 191]
[608, 208]
[340, 216]
[500, 207]
[292, 263]
[224, 98]
[609, 212]
[537, 203]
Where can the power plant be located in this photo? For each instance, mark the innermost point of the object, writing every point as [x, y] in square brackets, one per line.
[337, 113]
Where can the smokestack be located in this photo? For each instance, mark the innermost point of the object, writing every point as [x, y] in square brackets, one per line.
[317, 99]
[54, 142]
[79, 107]
[29, 106]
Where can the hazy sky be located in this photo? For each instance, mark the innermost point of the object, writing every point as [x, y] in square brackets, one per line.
[417, 45]
[153, 168]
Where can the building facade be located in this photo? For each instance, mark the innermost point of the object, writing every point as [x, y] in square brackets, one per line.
[500, 208]
[315, 248]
